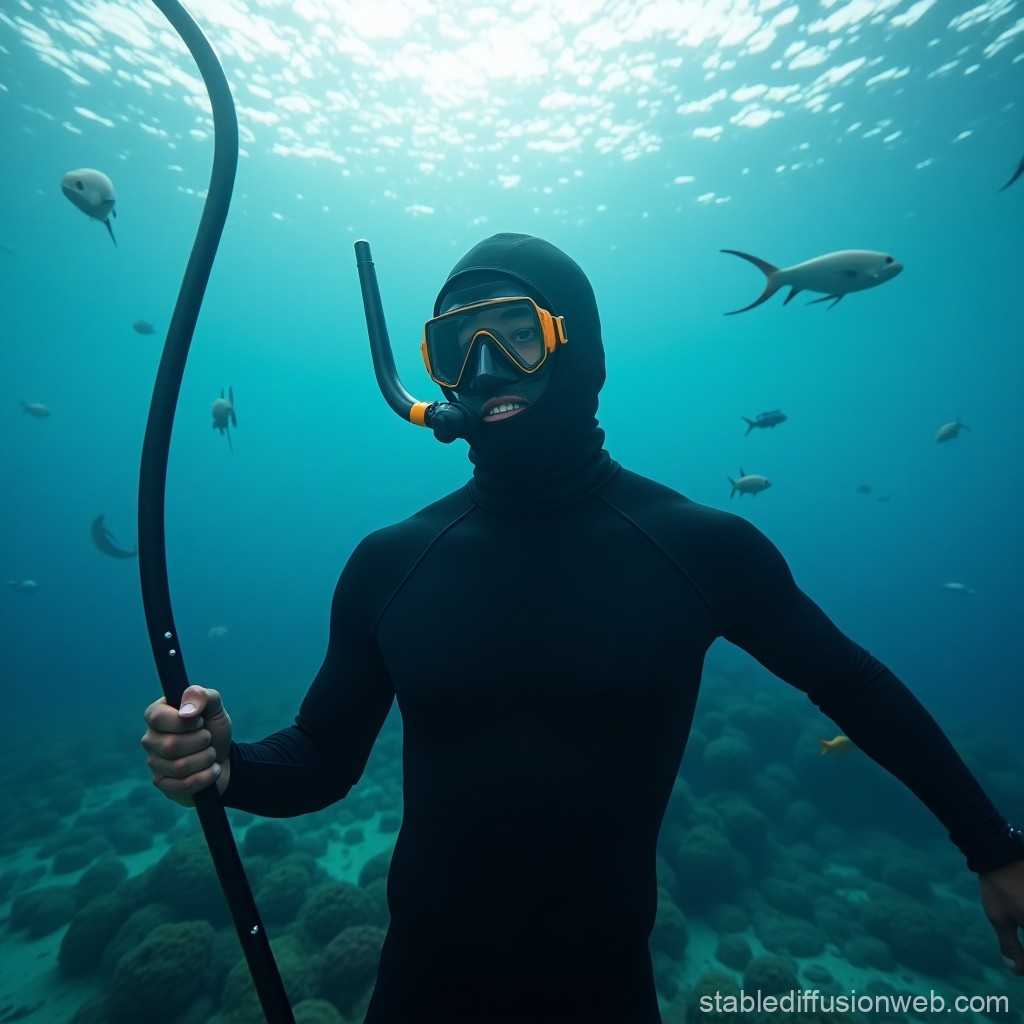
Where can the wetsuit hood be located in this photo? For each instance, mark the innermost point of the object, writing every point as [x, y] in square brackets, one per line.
[552, 452]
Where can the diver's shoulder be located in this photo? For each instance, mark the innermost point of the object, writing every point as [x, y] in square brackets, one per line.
[422, 525]
[649, 502]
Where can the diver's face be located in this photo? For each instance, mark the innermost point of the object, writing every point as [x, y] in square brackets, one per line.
[492, 386]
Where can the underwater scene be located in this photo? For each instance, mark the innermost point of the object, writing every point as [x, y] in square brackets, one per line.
[858, 157]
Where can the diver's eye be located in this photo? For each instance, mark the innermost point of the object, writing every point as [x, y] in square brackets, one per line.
[888, 259]
[524, 335]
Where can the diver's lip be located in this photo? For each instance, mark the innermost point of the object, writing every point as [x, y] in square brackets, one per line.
[492, 403]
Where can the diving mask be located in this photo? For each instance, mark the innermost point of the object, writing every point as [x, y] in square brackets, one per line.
[525, 333]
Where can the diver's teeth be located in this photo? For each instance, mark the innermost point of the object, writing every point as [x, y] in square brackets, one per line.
[505, 407]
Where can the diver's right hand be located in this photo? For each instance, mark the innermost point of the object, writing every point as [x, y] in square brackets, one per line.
[189, 747]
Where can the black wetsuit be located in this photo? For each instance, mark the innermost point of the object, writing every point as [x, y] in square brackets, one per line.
[544, 631]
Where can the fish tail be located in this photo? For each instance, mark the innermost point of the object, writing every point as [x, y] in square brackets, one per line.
[824, 747]
[733, 482]
[111, 230]
[750, 427]
[769, 270]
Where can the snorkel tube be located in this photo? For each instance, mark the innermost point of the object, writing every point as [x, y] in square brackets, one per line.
[156, 597]
[448, 420]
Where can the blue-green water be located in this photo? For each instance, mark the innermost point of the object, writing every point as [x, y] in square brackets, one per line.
[642, 139]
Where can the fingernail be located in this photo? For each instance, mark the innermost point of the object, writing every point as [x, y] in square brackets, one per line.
[187, 709]
[216, 771]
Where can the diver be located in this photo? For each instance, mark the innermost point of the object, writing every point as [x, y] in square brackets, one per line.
[547, 698]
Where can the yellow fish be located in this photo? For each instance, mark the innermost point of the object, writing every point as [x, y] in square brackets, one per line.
[840, 745]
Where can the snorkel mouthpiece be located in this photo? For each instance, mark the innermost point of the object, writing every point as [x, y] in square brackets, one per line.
[448, 420]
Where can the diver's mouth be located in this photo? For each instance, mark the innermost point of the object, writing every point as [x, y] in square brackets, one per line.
[503, 407]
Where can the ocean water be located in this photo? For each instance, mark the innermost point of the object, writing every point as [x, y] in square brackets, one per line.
[640, 138]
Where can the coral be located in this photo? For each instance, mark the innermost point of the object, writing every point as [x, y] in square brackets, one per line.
[390, 821]
[788, 897]
[102, 877]
[337, 906]
[729, 917]
[25, 904]
[666, 974]
[376, 867]
[187, 871]
[706, 865]
[911, 877]
[239, 1003]
[269, 838]
[282, 893]
[727, 762]
[136, 928]
[746, 827]
[733, 951]
[82, 946]
[350, 964]
[770, 975]
[869, 951]
[72, 858]
[128, 835]
[710, 987]
[53, 911]
[353, 835]
[162, 975]
[670, 933]
[914, 933]
[317, 1011]
[793, 936]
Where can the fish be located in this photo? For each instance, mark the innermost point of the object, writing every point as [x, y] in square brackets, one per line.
[215, 631]
[29, 586]
[836, 274]
[36, 409]
[958, 588]
[1016, 174]
[93, 193]
[143, 327]
[884, 498]
[224, 412]
[948, 431]
[107, 542]
[864, 489]
[839, 745]
[749, 483]
[765, 419]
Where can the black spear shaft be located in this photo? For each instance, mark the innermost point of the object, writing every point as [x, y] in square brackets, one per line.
[156, 595]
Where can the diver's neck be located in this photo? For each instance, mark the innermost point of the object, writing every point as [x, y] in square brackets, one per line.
[527, 479]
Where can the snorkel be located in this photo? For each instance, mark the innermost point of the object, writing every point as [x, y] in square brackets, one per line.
[156, 596]
[448, 420]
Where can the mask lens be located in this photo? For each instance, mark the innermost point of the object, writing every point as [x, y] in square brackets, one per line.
[515, 325]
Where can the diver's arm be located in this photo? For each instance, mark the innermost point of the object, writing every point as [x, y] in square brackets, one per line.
[316, 761]
[792, 637]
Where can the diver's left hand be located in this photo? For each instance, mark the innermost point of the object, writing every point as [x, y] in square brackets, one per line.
[1002, 896]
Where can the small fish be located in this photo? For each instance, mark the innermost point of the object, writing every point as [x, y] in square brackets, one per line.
[836, 274]
[93, 193]
[36, 409]
[143, 327]
[29, 586]
[106, 542]
[864, 489]
[958, 588]
[948, 431]
[749, 484]
[224, 413]
[217, 631]
[765, 419]
[839, 745]
[1016, 174]
[884, 498]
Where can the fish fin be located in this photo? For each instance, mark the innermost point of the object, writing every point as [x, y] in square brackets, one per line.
[768, 269]
[750, 423]
[234, 419]
[741, 472]
[1016, 174]
[231, 394]
[825, 298]
[231, 447]
[793, 293]
[111, 230]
